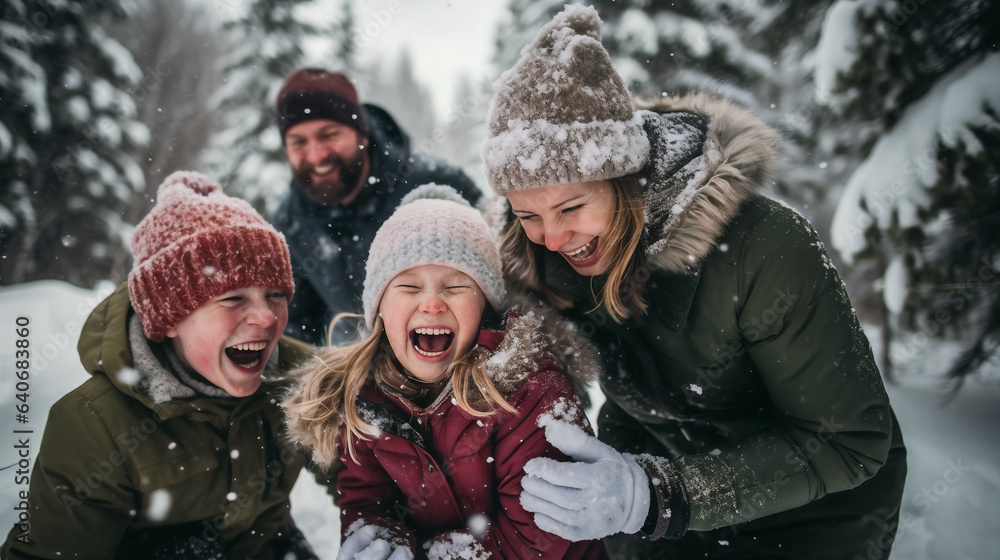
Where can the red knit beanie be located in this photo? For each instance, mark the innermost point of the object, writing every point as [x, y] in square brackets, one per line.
[195, 244]
[311, 93]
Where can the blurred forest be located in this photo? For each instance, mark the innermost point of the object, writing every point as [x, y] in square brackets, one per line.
[890, 112]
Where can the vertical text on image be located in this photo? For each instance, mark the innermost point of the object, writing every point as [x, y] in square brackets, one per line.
[22, 435]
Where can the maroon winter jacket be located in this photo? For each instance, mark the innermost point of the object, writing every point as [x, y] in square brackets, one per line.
[449, 483]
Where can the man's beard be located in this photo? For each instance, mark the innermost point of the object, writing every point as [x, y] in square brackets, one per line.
[331, 191]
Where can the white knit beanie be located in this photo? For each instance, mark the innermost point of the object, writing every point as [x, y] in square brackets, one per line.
[433, 225]
[562, 114]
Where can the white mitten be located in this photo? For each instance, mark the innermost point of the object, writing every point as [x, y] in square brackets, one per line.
[603, 493]
[370, 542]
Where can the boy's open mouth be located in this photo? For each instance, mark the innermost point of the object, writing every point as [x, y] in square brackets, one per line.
[246, 354]
[431, 342]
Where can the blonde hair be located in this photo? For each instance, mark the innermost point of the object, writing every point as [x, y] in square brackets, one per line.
[621, 296]
[325, 405]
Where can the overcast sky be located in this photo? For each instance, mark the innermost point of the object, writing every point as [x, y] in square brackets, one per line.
[445, 37]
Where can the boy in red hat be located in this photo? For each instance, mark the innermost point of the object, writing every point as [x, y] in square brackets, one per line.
[172, 449]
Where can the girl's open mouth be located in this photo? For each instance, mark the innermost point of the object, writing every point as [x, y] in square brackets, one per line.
[246, 355]
[431, 342]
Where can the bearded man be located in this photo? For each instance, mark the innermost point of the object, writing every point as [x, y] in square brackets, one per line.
[351, 166]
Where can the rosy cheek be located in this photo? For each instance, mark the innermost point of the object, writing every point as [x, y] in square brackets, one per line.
[198, 358]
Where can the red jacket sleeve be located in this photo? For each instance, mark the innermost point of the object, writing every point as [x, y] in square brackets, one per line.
[512, 532]
[369, 494]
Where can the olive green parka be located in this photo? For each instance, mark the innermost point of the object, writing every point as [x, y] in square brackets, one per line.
[125, 470]
[749, 386]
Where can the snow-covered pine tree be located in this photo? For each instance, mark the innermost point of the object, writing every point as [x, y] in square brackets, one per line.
[246, 155]
[345, 47]
[179, 47]
[754, 52]
[68, 136]
[917, 83]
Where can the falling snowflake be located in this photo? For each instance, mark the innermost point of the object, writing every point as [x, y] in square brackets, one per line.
[128, 376]
[159, 505]
[478, 524]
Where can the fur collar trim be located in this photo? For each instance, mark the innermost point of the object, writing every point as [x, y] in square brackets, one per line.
[536, 335]
[738, 156]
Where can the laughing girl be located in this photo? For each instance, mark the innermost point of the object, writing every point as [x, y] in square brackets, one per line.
[433, 416]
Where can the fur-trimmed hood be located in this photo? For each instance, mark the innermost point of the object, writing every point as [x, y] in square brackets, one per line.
[689, 201]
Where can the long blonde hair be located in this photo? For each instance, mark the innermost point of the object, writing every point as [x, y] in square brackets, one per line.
[622, 294]
[324, 406]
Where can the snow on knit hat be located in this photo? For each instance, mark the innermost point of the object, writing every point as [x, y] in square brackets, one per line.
[310, 94]
[196, 244]
[562, 114]
[433, 225]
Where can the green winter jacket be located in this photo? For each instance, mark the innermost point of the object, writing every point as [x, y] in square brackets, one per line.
[123, 474]
[749, 383]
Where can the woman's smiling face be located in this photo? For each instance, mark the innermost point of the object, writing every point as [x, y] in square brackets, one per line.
[431, 314]
[568, 219]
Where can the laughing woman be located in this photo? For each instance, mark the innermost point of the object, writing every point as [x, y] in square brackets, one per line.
[745, 416]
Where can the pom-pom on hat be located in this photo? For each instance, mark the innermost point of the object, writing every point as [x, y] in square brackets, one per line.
[433, 225]
[196, 244]
[311, 93]
[562, 114]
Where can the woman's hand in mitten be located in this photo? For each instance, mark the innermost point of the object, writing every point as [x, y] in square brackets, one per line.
[604, 492]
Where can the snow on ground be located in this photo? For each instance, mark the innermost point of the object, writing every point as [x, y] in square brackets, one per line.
[949, 509]
[952, 494]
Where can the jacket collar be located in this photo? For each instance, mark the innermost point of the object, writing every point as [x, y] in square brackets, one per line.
[692, 197]
[490, 338]
[535, 334]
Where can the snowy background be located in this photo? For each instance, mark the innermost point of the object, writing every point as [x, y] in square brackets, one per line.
[889, 110]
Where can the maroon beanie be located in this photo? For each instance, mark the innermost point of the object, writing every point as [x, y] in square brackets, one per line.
[196, 244]
[311, 93]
